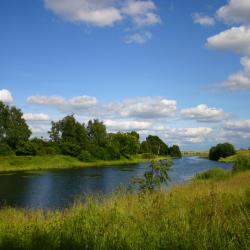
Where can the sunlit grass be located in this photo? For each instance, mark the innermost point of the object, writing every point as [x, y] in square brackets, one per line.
[27, 163]
[205, 214]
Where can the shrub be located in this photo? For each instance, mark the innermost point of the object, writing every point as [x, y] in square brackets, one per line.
[213, 174]
[85, 156]
[71, 149]
[242, 164]
[221, 151]
[5, 150]
[26, 149]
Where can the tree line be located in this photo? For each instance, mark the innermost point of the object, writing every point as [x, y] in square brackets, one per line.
[87, 142]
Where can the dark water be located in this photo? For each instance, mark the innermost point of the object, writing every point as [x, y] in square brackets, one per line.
[59, 188]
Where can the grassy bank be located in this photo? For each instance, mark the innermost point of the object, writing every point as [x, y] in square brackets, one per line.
[239, 154]
[201, 215]
[23, 163]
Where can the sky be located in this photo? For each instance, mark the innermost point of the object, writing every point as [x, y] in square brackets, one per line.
[173, 68]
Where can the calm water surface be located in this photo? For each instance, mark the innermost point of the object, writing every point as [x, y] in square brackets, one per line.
[59, 188]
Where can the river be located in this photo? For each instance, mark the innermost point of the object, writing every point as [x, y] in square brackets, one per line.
[56, 189]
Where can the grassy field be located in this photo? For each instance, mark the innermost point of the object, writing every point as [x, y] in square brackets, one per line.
[202, 153]
[206, 214]
[23, 163]
[233, 158]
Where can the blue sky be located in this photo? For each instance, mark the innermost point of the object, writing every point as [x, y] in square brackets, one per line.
[179, 69]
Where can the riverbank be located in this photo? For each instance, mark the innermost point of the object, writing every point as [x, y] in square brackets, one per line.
[205, 214]
[33, 163]
[233, 158]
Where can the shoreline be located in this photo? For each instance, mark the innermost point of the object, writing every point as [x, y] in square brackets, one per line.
[9, 164]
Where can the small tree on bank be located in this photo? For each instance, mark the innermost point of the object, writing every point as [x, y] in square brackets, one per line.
[221, 151]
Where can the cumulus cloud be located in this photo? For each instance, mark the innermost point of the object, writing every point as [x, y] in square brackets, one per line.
[144, 107]
[105, 12]
[128, 125]
[240, 80]
[181, 136]
[36, 117]
[203, 20]
[5, 96]
[71, 105]
[239, 126]
[139, 38]
[203, 113]
[236, 39]
[236, 11]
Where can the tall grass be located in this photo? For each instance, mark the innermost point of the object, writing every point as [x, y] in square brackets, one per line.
[201, 215]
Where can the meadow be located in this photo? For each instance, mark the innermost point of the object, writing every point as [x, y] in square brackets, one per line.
[207, 214]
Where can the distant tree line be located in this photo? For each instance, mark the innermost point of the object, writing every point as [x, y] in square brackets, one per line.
[87, 142]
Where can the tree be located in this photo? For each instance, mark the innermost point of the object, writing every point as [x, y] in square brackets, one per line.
[13, 128]
[221, 151]
[97, 133]
[175, 151]
[156, 145]
[153, 178]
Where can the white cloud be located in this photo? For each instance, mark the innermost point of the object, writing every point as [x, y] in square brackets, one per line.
[203, 113]
[203, 20]
[142, 12]
[240, 80]
[5, 96]
[239, 126]
[236, 39]
[236, 11]
[38, 117]
[127, 125]
[139, 38]
[105, 12]
[98, 13]
[75, 103]
[144, 107]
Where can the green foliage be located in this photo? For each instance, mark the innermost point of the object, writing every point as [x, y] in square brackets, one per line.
[175, 151]
[5, 150]
[154, 145]
[97, 133]
[26, 149]
[213, 174]
[242, 164]
[147, 156]
[69, 148]
[85, 156]
[13, 128]
[221, 151]
[154, 178]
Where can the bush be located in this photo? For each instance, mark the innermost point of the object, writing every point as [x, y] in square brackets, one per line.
[85, 156]
[71, 149]
[26, 149]
[5, 150]
[242, 164]
[221, 151]
[213, 174]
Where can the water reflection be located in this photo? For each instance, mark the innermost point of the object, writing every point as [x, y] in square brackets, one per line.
[59, 188]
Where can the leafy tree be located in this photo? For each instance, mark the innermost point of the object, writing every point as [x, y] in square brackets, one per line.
[154, 145]
[13, 128]
[221, 150]
[175, 151]
[154, 178]
[97, 133]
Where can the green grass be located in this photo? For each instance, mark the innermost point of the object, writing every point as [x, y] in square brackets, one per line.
[205, 214]
[32, 163]
[239, 154]
[213, 174]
